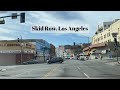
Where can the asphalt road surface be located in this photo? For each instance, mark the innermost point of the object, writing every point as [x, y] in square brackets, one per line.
[70, 69]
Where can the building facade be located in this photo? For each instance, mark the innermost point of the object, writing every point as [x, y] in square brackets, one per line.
[103, 41]
[13, 52]
[69, 51]
[52, 50]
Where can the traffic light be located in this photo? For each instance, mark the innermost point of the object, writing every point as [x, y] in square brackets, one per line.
[14, 15]
[74, 43]
[22, 17]
[2, 21]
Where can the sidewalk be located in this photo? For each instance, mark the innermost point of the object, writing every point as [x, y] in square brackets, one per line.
[4, 68]
[112, 61]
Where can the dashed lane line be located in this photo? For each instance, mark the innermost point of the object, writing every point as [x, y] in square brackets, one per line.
[83, 72]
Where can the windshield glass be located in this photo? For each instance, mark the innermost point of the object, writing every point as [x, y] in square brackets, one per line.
[60, 44]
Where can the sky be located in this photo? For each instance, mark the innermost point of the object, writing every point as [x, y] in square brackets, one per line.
[12, 29]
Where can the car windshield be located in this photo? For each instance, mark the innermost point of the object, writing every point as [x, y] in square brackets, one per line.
[59, 45]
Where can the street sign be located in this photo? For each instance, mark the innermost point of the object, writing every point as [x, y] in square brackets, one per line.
[14, 15]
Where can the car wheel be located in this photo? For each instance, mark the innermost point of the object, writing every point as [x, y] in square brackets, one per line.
[49, 62]
[61, 61]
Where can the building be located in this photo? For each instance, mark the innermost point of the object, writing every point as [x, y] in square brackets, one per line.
[13, 52]
[69, 51]
[52, 50]
[103, 41]
[42, 49]
[60, 51]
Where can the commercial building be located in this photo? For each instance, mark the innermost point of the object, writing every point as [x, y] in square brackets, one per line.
[69, 51]
[13, 52]
[52, 50]
[103, 41]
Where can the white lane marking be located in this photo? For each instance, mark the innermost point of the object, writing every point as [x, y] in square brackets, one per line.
[50, 72]
[79, 68]
[86, 75]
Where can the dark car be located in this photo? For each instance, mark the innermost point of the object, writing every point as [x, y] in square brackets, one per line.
[33, 61]
[55, 60]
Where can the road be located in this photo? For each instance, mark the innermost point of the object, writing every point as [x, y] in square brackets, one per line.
[70, 69]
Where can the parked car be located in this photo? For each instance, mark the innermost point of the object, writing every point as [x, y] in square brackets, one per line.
[33, 61]
[55, 60]
[96, 57]
[83, 57]
[67, 58]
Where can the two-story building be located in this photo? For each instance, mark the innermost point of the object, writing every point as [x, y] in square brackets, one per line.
[13, 52]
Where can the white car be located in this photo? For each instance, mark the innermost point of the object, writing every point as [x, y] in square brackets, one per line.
[83, 57]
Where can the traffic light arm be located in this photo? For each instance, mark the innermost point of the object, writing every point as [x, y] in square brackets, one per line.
[8, 16]
[14, 16]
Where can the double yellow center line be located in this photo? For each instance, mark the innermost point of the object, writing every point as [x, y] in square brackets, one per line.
[50, 72]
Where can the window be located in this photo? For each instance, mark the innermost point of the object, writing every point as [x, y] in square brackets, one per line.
[104, 25]
[109, 40]
[105, 36]
[109, 33]
[98, 39]
[101, 37]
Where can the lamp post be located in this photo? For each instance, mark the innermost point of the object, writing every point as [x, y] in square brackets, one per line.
[116, 44]
[63, 54]
[21, 44]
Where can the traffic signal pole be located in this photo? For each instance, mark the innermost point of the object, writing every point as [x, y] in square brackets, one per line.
[22, 17]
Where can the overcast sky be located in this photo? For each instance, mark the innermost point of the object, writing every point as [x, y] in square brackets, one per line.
[12, 29]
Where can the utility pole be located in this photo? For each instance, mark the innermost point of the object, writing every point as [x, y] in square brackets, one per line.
[116, 45]
[21, 45]
[63, 55]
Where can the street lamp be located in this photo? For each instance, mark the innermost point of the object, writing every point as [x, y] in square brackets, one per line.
[63, 54]
[116, 44]
[21, 56]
